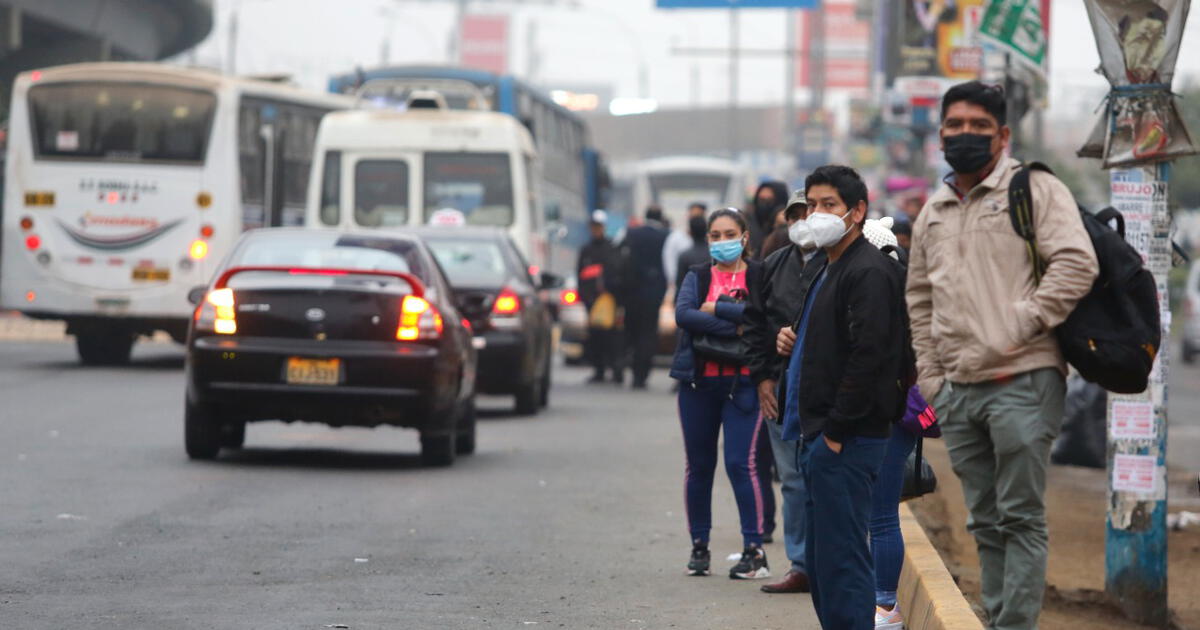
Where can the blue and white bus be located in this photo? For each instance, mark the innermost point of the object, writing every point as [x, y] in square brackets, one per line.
[573, 179]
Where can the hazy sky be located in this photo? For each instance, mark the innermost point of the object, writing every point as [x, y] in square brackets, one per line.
[602, 42]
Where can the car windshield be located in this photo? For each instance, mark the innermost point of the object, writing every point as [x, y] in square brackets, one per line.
[470, 262]
[477, 184]
[330, 251]
[121, 122]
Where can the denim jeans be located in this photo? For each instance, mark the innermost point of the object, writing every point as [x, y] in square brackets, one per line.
[887, 544]
[791, 487]
[840, 569]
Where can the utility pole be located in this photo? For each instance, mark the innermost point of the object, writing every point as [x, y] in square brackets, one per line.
[231, 43]
[1136, 529]
[734, 52]
[789, 83]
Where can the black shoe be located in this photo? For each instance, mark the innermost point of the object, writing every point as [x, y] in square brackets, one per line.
[768, 539]
[700, 561]
[618, 378]
[639, 385]
[752, 566]
[595, 379]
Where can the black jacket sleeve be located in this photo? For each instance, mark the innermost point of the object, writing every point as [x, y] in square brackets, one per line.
[870, 296]
[755, 329]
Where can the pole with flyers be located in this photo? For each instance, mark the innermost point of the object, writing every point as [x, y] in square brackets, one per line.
[1138, 135]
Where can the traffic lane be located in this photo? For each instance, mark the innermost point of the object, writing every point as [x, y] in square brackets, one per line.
[572, 517]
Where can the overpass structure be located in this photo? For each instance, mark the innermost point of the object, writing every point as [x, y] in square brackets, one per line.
[39, 33]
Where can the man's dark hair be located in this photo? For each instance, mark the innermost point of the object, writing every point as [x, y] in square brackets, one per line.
[654, 213]
[848, 183]
[698, 204]
[902, 228]
[989, 97]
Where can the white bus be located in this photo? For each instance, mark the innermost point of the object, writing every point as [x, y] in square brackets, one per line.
[676, 182]
[127, 183]
[388, 168]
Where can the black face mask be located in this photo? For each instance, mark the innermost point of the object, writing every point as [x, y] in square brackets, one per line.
[968, 153]
[764, 205]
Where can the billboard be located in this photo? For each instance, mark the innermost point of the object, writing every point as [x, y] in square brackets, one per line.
[736, 4]
[484, 43]
[847, 47]
[940, 38]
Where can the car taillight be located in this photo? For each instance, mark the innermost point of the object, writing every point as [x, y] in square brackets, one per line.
[506, 310]
[216, 313]
[569, 297]
[419, 320]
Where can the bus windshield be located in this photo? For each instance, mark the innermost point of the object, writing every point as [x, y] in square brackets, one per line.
[121, 122]
[477, 184]
[678, 190]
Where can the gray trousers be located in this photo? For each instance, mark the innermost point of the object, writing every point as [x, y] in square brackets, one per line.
[999, 435]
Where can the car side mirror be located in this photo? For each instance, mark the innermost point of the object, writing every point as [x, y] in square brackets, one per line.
[551, 281]
[196, 295]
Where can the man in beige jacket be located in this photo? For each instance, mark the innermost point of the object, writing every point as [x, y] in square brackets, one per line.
[982, 328]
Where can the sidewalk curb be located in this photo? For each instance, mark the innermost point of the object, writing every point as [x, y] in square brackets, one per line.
[928, 596]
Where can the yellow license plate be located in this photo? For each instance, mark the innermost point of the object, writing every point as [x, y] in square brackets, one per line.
[150, 274]
[313, 371]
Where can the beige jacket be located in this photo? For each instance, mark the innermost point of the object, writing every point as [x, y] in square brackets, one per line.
[976, 312]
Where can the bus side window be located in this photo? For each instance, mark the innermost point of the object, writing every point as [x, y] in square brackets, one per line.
[331, 188]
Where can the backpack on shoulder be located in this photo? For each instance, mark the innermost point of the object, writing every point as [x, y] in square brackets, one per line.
[1115, 331]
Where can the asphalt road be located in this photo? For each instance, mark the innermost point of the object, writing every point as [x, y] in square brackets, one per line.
[570, 519]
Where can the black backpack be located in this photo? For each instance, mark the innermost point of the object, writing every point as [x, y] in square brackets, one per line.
[1114, 333]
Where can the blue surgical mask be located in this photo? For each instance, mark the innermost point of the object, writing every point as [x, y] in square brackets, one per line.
[725, 251]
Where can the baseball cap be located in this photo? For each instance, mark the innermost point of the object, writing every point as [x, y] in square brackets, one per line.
[599, 216]
[796, 200]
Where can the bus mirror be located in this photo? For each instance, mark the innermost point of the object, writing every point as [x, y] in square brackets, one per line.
[553, 213]
[196, 295]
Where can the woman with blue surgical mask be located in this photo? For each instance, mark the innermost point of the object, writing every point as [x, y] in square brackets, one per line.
[716, 393]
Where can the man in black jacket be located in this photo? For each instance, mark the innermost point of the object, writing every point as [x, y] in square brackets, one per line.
[846, 386]
[600, 272]
[648, 287]
[774, 304]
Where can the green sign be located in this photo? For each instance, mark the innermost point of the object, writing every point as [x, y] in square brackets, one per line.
[1016, 26]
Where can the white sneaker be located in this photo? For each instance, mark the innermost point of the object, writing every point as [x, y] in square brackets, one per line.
[888, 619]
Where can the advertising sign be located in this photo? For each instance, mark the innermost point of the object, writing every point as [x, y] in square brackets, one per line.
[485, 43]
[940, 38]
[847, 47]
[1017, 27]
[736, 4]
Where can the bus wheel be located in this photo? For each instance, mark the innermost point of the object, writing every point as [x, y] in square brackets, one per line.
[104, 347]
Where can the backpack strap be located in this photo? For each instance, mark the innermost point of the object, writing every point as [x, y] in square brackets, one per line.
[1109, 214]
[1020, 211]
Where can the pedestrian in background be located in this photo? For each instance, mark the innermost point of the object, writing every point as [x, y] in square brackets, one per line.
[768, 202]
[680, 241]
[982, 329]
[774, 303]
[647, 288]
[601, 277]
[718, 394]
[844, 393]
[697, 254]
